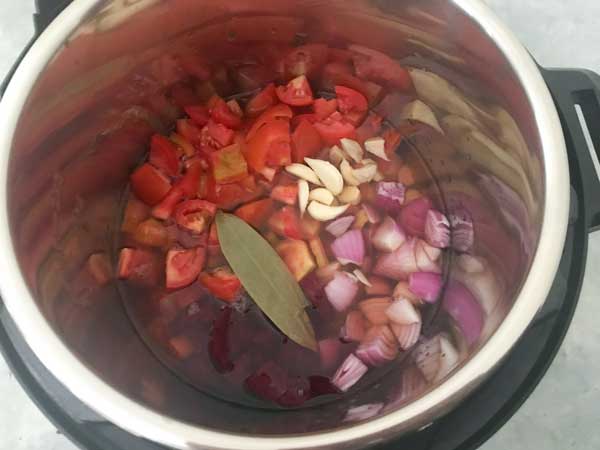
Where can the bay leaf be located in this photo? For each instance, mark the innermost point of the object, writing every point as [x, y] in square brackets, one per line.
[266, 278]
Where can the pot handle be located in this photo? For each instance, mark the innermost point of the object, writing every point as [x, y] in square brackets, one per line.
[571, 87]
[46, 11]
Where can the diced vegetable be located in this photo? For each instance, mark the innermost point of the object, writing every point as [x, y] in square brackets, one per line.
[351, 370]
[228, 164]
[349, 248]
[374, 309]
[163, 155]
[413, 216]
[378, 347]
[184, 266]
[296, 93]
[340, 226]
[297, 256]
[398, 264]
[341, 291]
[461, 305]
[390, 196]
[195, 215]
[316, 246]
[285, 194]
[388, 236]
[138, 266]
[152, 233]
[437, 229]
[286, 223]
[354, 328]
[149, 184]
[256, 213]
[262, 101]
[425, 285]
[306, 142]
[135, 213]
[222, 283]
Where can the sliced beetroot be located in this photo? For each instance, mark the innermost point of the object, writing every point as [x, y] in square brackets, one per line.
[218, 346]
[268, 383]
[320, 385]
[297, 392]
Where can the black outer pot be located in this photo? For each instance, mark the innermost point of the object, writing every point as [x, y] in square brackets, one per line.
[487, 409]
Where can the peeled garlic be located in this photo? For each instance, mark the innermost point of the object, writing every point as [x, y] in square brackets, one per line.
[323, 213]
[421, 112]
[304, 172]
[348, 173]
[366, 173]
[336, 155]
[351, 195]
[353, 149]
[302, 195]
[322, 195]
[376, 146]
[330, 177]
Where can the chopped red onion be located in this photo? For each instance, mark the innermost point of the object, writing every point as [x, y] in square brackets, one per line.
[327, 272]
[390, 196]
[351, 370]
[437, 229]
[402, 290]
[379, 286]
[340, 226]
[436, 358]
[398, 264]
[363, 412]
[373, 215]
[388, 236]
[425, 285]
[378, 347]
[329, 352]
[461, 228]
[407, 335]
[466, 311]
[355, 327]
[374, 309]
[427, 256]
[403, 312]
[413, 216]
[341, 291]
[349, 248]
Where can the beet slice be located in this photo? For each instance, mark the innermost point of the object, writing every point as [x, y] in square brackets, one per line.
[218, 346]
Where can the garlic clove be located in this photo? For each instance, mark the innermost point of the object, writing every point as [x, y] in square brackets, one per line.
[322, 195]
[303, 193]
[348, 173]
[303, 172]
[330, 177]
[376, 146]
[336, 155]
[352, 149]
[323, 213]
[351, 195]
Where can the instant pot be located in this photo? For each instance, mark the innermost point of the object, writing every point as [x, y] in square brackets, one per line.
[76, 112]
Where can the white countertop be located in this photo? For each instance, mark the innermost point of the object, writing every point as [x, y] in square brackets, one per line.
[564, 411]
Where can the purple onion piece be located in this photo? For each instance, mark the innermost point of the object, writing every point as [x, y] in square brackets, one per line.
[437, 229]
[425, 285]
[390, 196]
[348, 374]
[466, 311]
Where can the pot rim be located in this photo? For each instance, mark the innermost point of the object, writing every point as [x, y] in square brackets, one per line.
[142, 421]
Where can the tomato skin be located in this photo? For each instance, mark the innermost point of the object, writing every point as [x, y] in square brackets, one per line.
[228, 196]
[286, 223]
[296, 93]
[198, 113]
[189, 131]
[305, 60]
[262, 101]
[310, 118]
[272, 137]
[279, 111]
[184, 266]
[255, 213]
[222, 284]
[163, 155]
[191, 180]
[149, 184]
[285, 194]
[151, 232]
[228, 164]
[280, 153]
[334, 128]
[167, 205]
[195, 215]
[349, 100]
[306, 142]
[219, 134]
[324, 108]
[221, 113]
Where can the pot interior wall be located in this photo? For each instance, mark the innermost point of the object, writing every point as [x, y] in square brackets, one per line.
[88, 121]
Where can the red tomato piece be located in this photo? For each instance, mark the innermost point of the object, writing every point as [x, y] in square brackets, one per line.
[163, 155]
[191, 180]
[285, 194]
[374, 65]
[286, 223]
[280, 153]
[296, 93]
[306, 141]
[228, 196]
[228, 164]
[195, 215]
[324, 108]
[310, 118]
[334, 128]
[186, 148]
[262, 101]
[297, 256]
[369, 128]
[184, 266]
[349, 100]
[279, 111]
[198, 113]
[219, 134]
[273, 136]
[149, 184]
[166, 207]
[222, 283]
[343, 75]
[152, 233]
[310, 227]
[305, 60]
[221, 113]
[255, 213]
[190, 132]
[138, 266]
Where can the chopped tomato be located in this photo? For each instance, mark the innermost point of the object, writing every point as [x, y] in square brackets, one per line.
[273, 135]
[324, 108]
[198, 113]
[222, 283]
[235, 107]
[135, 213]
[183, 95]
[306, 142]
[310, 118]
[138, 266]
[149, 184]
[262, 101]
[228, 196]
[268, 173]
[195, 65]
[286, 223]
[305, 60]
[374, 65]
[296, 93]
[213, 235]
[195, 215]
[151, 232]
[343, 75]
[334, 128]
[310, 227]
[370, 127]
[191, 180]
[189, 131]
[349, 100]
[221, 113]
[165, 208]
[228, 164]
[184, 266]
[280, 153]
[255, 213]
[279, 111]
[186, 146]
[219, 134]
[297, 257]
[389, 169]
[163, 155]
[285, 194]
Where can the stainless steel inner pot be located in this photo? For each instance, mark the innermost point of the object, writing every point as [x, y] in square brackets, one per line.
[77, 116]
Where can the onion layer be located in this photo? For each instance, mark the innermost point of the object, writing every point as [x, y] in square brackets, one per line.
[348, 374]
[349, 248]
[378, 347]
[388, 236]
[437, 229]
[341, 291]
[425, 285]
[466, 311]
